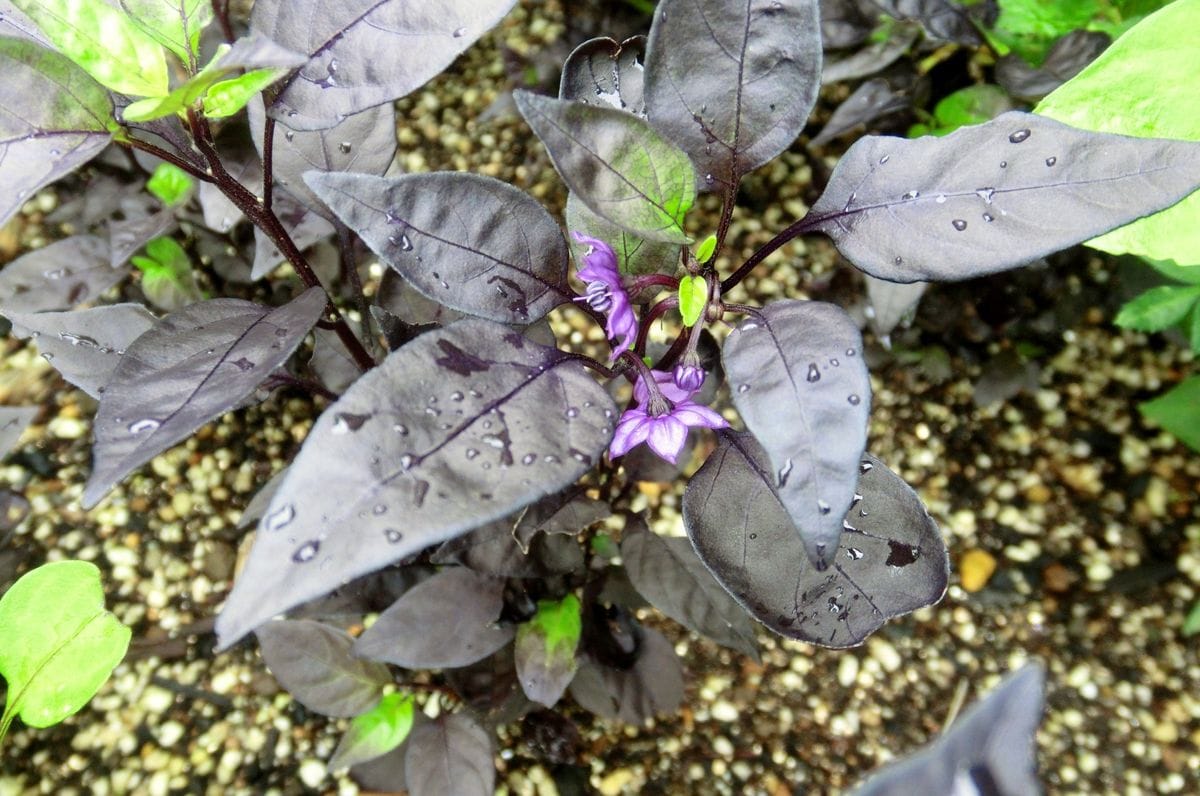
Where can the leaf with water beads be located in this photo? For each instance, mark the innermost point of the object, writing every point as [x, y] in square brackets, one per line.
[58, 276]
[606, 73]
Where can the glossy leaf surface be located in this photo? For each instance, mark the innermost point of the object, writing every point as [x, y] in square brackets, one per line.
[616, 164]
[890, 561]
[993, 196]
[316, 664]
[652, 685]
[732, 82]
[58, 276]
[545, 649]
[459, 427]
[467, 241]
[799, 381]
[194, 365]
[450, 756]
[375, 733]
[608, 73]
[363, 53]
[446, 621]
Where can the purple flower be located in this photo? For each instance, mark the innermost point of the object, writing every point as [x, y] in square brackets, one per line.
[688, 377]
[661, 419]
[606, 294]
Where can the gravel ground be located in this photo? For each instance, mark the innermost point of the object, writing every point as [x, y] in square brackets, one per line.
[1074, 531]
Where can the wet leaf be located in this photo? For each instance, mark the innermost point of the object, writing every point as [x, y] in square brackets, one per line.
[365, 53]
[890, 561]
[446, 621]
[317, 665]
[175, 24]
[375, 733]
[62, 646]
[942, 19]
[194, 365]
[139, 228]
[652, 685]
[364, 143]
[606, 73]
[13, 422]
[84, 345]
[871, 101]
[470, 242]
[668, 573]
[331, 362]
[991, 749]
[993, 196]
[450, 756]
[799, 382]
[732, 83]
[461, 426]
[53, 119]
[58, 276]
[635, 255]
[616, 164]
[545, 649]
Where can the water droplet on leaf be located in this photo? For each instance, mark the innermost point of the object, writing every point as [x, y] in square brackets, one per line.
[853, 399]
[306, 552]
[280, 517]
[814, 374]
[823, 507]
[1019, 136]
[1050, 161]
[392, 535]
[959, 224]
[143, 425]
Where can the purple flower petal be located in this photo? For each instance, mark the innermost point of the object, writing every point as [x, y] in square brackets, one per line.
[632, 430]
[666, 437]
[666, 385]
[697, 416]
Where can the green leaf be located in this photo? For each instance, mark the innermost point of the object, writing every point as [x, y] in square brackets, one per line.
[104, 41]
[175, 24]
[545, 649]
[693, 296]
[1187, 274]
[1191, 625]
[60, 644]
[230, 96]
[170, 184]
[1194, 329]
[1178, 411]
[1158, 308]
[1144, 85]
[704, 251]
[970, 105]
[167, 277]
[635, 255]
[1030, 27]
[375, 733]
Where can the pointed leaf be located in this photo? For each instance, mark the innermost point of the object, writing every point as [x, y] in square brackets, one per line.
[1158, 308]
[890, 561]
[459, 427]
[943, 19]
[170, 184]
[693, 298]
[58, 276]
[617, 164]
[635, 255]
[104, 41]
[993, 196]
[53, 119]
[175, 24]
[545, 649]
[375, 733]
[891, 302]
[467, 241]
[444, 622]
[386, 772]
[61, 643]
[317, 665]
[13, 422]
[732, 83]
[450, 756]
[567, 512]
[801, 386]
[873, 58]
[193, 366]
[991, 749]
[1178, 411]
[364, 53]
[674, 580]
[607, 73]
[364, 143]
[84, 346]
[652, 685]
[871, 101]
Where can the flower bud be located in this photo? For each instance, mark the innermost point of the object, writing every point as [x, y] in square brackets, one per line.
[689, 378]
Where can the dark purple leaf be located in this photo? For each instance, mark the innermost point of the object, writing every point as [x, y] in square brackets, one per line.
[943, 19]
[1066, 58]
[489, 688]
[873, 58]
[127, 236]
[567, 513]
[58, 276]
[615, 163]
[467, 241]
[872, 100]
[890, 561]
[13, 422]
[316, 664]
[492, 549]
[607, 73]
[461, 426]
[363, 143]
[332, 362]
[450, 756]
[386, 774]
[305, 227]
[84, 346]
[258, 504]
[891, 302]
[635, 255]
[364, 53]
[446, 621]
[668, 573]
[801, 386]
[53, 119]
[993, 196]
[193, 366]
[846, 23]
[991, 750]
[220, 213]
[732, 83]
[404, 301]
[652, 685]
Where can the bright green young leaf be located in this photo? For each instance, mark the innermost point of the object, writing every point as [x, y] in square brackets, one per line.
[1144, 85]
[1178, 411]
[545, 649]
[1030, 27]
[1194, 329]
[175, 24]
[60, 644]
[104, 41]
[1187, 274]
[170, 184]
[376, 732]
[230, 96]
[183, 97]
[704, 251]
[970, 105]
[635, 255]
[167, 276]
[693, 295]
[1158, 308]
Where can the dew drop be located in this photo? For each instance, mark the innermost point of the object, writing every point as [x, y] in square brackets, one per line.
[289, 135]
[405, 243]
[494, 441]
[456, 396]
[866, 467]
[743, 388]
[379, 508]
[1004, 164]
[709, 179]
[1050, 161]
[143, 425]
[910, 195]
[941, 199]
[48, 357]
[344, 422]
[306, 552]
[854, 553]
[884, 159]
[400, 429]
[459, 33]
[985, 194]
[550, 458]
[785, 471]
[898, 260]
[814, 375]
[529, 459]
[392, 535]
[280, 518]
[959, 224]
[835, 362]
[406, 461]
[345, 147]
[988, 217]
[823, 507]
[472, 453]
[55, 273]
[572, 412]
[851, 352]
[1019, 136]
[853, 399]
